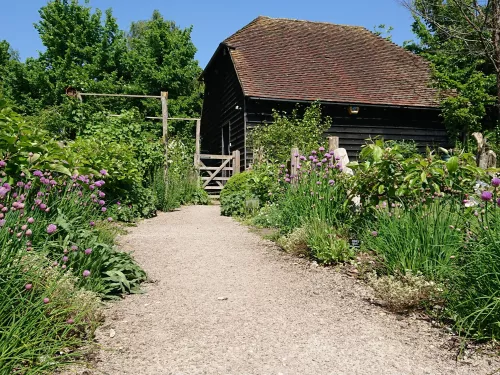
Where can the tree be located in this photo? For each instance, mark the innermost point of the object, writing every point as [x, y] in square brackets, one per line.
[461, 38]
[162, 58]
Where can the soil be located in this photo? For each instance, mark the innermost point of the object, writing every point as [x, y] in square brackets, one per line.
[225, 301]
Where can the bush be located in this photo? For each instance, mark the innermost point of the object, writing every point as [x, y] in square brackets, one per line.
[235, 193]
[326, 244]
[276, 139]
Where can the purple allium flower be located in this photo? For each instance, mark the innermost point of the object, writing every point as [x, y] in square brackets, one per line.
[287, 179]
[2, 223]
[101, 203]
[331, 182]
[118, 203]
[495, 182]
[313, 152]
[31, 220]
[53, 182]
[43, 206]
[110, 219]
[51, 228]
[70, 321]
[46, 300]
[311, 157]
[486, 195]
[104, 209]
[74, 248]
[86, 273]
[29, 232]
[318, 182]
[374, 233]
[321, 149]
[3, 192]
[2, 163]
[102, 194]
[99, 183]
[20, 184]
[24, 227]
[91, 223]
[295, 155]
[302, 157]
[88, 251]
[498, 202]
[91, 187]
[65, 259]
[28, 286]
[103, 172]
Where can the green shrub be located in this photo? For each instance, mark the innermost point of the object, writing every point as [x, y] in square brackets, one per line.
[326, 244]
[235, 193]
[275, 140]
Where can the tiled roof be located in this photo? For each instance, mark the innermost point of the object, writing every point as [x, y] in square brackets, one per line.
[301, 60]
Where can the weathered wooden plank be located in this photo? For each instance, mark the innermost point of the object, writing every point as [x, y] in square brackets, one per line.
[215, 178]
[215, 187]
[215, 157]
[215, 168]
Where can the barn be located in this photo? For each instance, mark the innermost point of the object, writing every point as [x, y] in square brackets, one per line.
[368, 85]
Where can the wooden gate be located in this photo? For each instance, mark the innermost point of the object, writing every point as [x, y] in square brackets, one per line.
[215, 170]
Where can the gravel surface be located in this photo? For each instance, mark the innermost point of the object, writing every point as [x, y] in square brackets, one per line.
[225, 301]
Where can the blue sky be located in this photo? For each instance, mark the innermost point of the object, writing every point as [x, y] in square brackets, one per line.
[213, 20]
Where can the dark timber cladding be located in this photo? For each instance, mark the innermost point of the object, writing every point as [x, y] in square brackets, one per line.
[222, 123]
[277, 63]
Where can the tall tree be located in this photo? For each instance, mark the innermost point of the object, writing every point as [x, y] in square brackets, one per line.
[461, 38]
[162, 58]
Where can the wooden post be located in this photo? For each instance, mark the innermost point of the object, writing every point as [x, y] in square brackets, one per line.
[197, 150]
[164, 115]
[236, 162]
[294, 163]
[333, 144]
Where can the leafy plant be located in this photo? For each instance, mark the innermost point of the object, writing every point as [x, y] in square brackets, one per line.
[275, 140]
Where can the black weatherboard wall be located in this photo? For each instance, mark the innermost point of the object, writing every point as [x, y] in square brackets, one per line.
[222, 122]
[423, 125]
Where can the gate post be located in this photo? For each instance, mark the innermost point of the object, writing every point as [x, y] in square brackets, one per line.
[236, 162]
[333, 144]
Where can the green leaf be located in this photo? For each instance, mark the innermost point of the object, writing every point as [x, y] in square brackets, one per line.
[452, 164]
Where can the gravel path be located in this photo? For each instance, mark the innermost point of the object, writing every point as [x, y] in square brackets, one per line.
[224, 301]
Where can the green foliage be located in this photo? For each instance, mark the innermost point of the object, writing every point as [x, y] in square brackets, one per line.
[275, 140]
[57, 257]
[325, 243]
[384, 174]
[449, 36]
[473, 295]
[236, 191]
[245, 192]
[421, 238]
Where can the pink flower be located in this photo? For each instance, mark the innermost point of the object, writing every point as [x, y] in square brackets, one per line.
[28, 286]
[88, 251]
[29, 232]
[2, 222]
[92, 224]
[374, 233]
[65, 259]
[102, 203]
[495, 182]
[103, 172]
[51, 228]
[104, 209]
[86, 273]
[110, 219]
[2, 163]
[46, 300]
[70, 321]
[31, 220]
[74, 248]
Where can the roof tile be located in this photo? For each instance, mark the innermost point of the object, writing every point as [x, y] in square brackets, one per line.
[302, 60]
